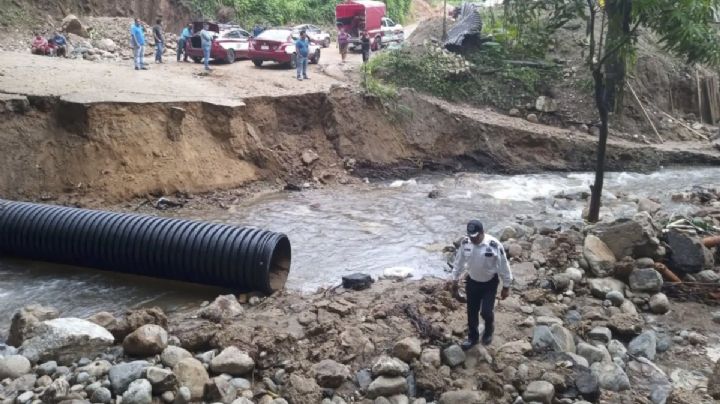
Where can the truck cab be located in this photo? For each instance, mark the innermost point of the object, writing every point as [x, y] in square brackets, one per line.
[357, 16]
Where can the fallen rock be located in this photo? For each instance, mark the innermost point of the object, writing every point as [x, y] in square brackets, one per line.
[135, 319]
[431, 355]
[539, 391]
[644, 345]
[532, 118]
[600, 287]
[610, 376]
[516, 347]
[714, 382]
[106, 44]
[101, 395]
[71, 24]
[645, 280]
[387, 386]
[407, 349]
[615, 297]
[302, 390]
[66, 339]
[546, 104]
[453, 355]
[219, 390]
[103, 319]
[659, 303]
[553, 338]
[687, 253]
[387, 366]
[649, 206]
[57, 391]
[707, 276]
[191, 373]
[13, 366]
[593, 353]
[162, 380]
[636, 237]
[461, 397]
[171, 355]
[357, 281]
[123, 374]
[147, 340]
[139, 392]
[309, 156]
[602, 334]
[23, 322]
[330, 374]
[648, 379]
[233, 362]
[223, 308]
[625, 325]
[617, 349]
[599, 257]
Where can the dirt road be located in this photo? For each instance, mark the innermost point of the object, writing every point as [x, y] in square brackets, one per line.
[83, 81]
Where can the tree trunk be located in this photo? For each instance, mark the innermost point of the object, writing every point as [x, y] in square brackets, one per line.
[601, 100]
[619, 15]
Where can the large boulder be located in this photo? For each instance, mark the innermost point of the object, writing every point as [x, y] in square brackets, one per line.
[13, 366]
[223, 308]
[233, 362]
[66, 339]
[147, 340]
[645, 280]
[330, 374]
[407, 349]
[106, 44]
[24, 322]
[191, 373]
[553, 338]
[611, 376]
[72, 25]
[687, 253]
[636, 237]
[123, 374]
[598, 256]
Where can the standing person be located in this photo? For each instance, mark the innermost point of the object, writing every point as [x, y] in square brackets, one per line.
[159, 37]
[343, 43]
[485, 260]
[60, 44]
[184, 36]
[365, 46]
[137, 39]
[206, 38]
[302, 51]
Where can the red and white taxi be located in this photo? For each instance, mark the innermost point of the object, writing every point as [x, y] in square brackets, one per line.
[278, 45]
[230, 43]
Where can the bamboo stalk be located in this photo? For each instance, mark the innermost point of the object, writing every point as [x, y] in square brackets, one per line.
[647, 116]
[685, 126]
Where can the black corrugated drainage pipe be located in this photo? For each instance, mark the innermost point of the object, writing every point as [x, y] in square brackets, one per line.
[239, 258]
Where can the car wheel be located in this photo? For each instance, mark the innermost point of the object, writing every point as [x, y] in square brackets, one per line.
[230, 57]
[326, 43]
[316, 57]
[197, 59]
[377, 44]
[293, 62]
[258, 63]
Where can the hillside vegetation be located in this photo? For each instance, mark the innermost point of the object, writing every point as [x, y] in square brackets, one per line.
[280, 12]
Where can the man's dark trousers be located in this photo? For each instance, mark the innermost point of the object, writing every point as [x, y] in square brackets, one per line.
[480, 298]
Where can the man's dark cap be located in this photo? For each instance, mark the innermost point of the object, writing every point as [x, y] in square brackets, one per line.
[474, 228]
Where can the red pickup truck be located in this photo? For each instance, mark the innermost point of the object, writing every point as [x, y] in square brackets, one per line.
[356, 16]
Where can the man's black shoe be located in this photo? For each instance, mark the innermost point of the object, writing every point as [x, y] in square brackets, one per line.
[468, 344]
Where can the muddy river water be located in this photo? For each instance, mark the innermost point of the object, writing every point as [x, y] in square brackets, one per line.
[343, 230]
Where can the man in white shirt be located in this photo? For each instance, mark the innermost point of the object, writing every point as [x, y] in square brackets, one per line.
[485, 260]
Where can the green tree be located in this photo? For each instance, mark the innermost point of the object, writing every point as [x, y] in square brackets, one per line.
[685, 27]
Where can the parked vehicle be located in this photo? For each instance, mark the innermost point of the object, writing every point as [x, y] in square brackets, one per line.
[230, 43]
[278, 45]
[356, 16]
[315, 33]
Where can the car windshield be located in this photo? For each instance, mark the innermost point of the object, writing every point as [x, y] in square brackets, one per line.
[274, 35]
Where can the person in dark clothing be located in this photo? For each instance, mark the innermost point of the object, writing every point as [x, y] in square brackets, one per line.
[159, 37]
[365, 46]
[258, 30]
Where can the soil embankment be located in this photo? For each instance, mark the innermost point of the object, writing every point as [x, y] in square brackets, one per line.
[117, 150]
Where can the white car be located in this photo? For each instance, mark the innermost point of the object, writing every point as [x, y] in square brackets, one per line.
[391, 31]
[315, 33]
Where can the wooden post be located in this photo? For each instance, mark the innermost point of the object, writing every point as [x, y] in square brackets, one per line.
[444, 34]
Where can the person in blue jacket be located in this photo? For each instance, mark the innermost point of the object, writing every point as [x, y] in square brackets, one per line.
[302, 51]
[137, 40]
[206, 38]
[184, 36]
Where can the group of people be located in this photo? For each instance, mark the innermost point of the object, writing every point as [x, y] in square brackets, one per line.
[344, 44]
[138, 42]
[54, 46]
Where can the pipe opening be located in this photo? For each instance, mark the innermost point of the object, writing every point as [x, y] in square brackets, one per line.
[279, 264]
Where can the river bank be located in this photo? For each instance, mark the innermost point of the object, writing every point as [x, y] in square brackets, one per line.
[589, 319]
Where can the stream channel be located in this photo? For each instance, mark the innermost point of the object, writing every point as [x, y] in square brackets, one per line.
[337, 231]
